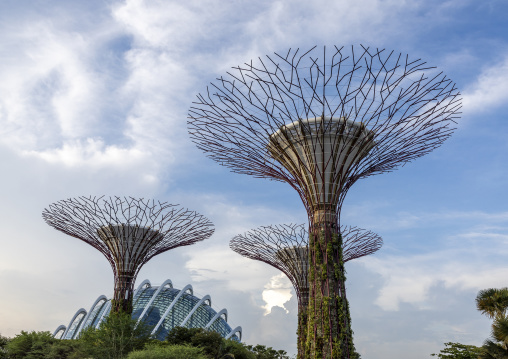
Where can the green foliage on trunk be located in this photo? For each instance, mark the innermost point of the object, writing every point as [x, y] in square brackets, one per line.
[121, 306]
[301, 332]
[329, 333]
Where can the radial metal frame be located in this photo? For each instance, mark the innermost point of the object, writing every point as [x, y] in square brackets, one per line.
[266, 243]
[408, 106]
[165, 226]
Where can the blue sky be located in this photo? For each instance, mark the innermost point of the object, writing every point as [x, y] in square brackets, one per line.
[94, 98]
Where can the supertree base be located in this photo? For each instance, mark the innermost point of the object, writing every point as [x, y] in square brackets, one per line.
[329, 333]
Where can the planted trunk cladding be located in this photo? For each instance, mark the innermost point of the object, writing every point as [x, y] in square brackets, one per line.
[286, 247]
[329, 333]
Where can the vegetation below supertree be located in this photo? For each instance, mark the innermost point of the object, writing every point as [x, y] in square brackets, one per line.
[118, 337]
[458, 351]
[493, 303]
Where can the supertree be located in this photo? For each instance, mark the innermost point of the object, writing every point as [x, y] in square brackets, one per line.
[285, 247]
[128, 232]
[321, 120]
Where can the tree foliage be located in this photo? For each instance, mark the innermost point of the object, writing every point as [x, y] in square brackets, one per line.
[29, 345]
[3, 345]
[32, 345]
[168, 352]
[493, 303]
[116, 336]
[216, 347]
[458, 351]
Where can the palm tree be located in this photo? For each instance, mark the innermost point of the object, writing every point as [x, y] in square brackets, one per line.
[494, 304]
[493, 350]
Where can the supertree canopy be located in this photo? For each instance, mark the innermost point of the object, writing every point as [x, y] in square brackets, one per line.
[320, 120]
[128, 232]
[285, 247]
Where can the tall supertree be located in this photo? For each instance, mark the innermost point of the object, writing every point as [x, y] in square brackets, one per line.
[320, 120]
[128, 231]
[285, 247]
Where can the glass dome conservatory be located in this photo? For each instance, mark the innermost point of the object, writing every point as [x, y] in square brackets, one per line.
[162, 308]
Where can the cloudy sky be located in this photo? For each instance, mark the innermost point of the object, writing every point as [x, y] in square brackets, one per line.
[94, 98]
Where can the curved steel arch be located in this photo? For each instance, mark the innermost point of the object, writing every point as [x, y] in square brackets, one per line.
[83, 323]
[143, 283]
[60, 328]
[217, 316]
[198, 304]
[166, 313]
[135, 297]
[238, 329]
[80, 311]
[106, 312]
[154, 296]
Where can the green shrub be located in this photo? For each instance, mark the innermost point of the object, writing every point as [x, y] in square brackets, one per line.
[237, 350]
[30, 345]
[3, 346]
[168, 352]
[116, 337]
[458, 351]
[181, 335]
[66, 349]
[263, 352]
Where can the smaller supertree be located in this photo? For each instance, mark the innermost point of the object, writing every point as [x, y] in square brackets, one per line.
[285, 247]
[128, 232]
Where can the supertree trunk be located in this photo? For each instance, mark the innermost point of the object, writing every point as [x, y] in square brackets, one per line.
[286, 247]
[128, 232]
[123, 295]
[329, 333]
[301, 331]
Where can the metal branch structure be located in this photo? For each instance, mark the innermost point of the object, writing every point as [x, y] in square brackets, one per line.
[128, 232]
[320, 120]
[285, 247]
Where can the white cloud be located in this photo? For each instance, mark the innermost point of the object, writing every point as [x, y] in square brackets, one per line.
[489, 90]
[383, 217]
[65, 87]
[51, 89]
[277, 292]
[92, 153]
[409, 278]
